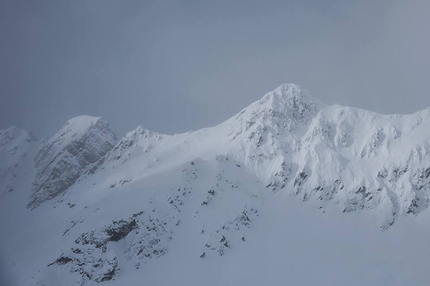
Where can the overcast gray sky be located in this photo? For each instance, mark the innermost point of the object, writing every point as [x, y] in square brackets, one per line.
[174, 66]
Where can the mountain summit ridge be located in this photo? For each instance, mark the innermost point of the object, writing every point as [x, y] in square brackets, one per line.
[293, 92]
[109, 204]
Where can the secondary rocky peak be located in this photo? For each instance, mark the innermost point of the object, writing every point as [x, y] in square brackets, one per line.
[82, 121]
[77, 127]
[81, 142]
[138, 140]
[142, 132]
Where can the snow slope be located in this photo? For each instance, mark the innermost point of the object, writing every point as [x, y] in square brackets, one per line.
[15, 145]
[289, 190]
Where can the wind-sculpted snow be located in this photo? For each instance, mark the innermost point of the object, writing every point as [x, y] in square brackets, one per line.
[82, 141]
[129, 210]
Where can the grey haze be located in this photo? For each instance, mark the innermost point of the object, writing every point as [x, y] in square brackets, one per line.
[173, 66]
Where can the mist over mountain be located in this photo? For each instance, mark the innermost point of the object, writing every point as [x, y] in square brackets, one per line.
[288, 191]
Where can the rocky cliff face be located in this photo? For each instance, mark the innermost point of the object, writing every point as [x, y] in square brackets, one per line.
[81, 142]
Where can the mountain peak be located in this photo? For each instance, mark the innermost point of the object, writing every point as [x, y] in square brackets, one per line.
[284, 109]
[80, 123]
[291, 95]
[289, 89]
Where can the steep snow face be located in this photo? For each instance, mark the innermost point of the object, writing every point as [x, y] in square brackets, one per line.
[326, 155]
[266, 134]
[81, 142]
[276, 122]
[285, 110]
[361, 160]
[15, 144]
[334, 155]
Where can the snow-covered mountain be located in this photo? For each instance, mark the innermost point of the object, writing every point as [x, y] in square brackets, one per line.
[289, 190]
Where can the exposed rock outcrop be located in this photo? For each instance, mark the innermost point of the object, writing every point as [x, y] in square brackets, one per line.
[81, 142]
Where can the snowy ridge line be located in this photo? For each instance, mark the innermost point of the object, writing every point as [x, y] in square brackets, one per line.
[103, 210]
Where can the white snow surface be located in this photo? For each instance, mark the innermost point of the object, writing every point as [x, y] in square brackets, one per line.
[288, 191]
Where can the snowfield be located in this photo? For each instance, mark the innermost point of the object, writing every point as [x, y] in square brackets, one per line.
[289, 191]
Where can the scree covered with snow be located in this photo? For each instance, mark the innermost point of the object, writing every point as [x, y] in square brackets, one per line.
[290, 191]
